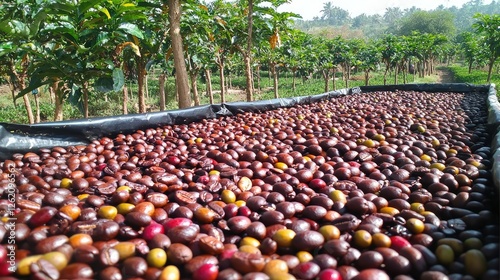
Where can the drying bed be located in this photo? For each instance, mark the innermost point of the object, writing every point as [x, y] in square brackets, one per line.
[375, 185]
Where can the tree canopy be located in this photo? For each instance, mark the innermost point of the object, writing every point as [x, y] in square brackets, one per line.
[432, 22]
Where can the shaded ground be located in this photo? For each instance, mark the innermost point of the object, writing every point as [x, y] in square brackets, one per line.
[444, 76]
[4, 89]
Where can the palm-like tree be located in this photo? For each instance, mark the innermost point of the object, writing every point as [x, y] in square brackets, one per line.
[327, 11]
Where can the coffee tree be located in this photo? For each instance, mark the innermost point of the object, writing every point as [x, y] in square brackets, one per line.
[489, 28]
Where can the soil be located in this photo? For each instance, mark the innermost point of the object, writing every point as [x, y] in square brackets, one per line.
[444, 76]
[4, 89]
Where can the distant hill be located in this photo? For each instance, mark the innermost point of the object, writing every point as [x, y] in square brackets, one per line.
[334, 21]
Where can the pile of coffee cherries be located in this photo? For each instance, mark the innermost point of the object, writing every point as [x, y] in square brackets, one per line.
[381, 185]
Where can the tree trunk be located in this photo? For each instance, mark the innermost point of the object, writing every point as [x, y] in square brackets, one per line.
[334, 82]
[293, 80]
[470, 65]
[347, 76]
[58, 112]
[248, 55]
[52, 96]
[125, 100]
[13, 92]
[249, 79]
[22, 85]
[146, 86]
[396, 70]
[348, 71]
[85, 90]
[167, 101]
[367, 77]
[176, 93]
[181, 77]
[26, 100]
[259, 86]
[326, 77]
[490, 68]
[37, 108]
[221, 74]
[194, 87]
[161, 85]
[275, 79]
[403, 70]
[269, 77]
[209, 85]
[141, 75]
[385, 74]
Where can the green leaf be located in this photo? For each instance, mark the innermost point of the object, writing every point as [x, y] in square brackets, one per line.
[34, 84]
[151, 63]
[64, 28]
[6, 48]
[131, 29]
[85, 5]
[104, 84]
[118, 79]
[62, 8]
[102, 38]
[149, 5]
[14, 27]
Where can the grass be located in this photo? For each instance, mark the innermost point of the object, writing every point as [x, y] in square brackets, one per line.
[17, 113]
[98, 107]
[461, 75]
[476, 76]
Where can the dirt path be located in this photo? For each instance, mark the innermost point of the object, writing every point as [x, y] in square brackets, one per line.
[444, 76]
[4, 89]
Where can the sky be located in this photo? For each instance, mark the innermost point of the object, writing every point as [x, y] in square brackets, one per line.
[309, 9]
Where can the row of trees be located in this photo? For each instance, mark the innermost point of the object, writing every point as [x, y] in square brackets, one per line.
[92, 46]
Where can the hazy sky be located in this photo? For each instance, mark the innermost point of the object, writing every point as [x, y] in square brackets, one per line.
[312, 8]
